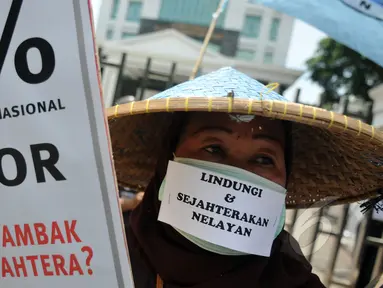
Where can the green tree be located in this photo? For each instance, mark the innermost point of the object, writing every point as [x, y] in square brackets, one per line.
[341, 71]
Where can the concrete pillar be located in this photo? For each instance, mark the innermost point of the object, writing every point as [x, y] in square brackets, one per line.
[109, 84]
[235, 12]
[103, 20]
[151, 9]
[376, 94]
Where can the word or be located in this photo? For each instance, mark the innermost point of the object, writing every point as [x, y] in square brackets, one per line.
[229, 227]
[21, 63]
[39, 234]
[227, 183]
[38, 163]
[31, 109]
[45, 265]
[227, 212]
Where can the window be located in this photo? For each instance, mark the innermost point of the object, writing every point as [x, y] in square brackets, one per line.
[125, 35]
[109, 34]
[214, 47]
[134, 11]
[194, 12]
[268, 57]
[274, 29]
[252, 26]
[245, 54]
[114, 12]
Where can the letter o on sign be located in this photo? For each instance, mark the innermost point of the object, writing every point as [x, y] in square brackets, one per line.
[21, 167]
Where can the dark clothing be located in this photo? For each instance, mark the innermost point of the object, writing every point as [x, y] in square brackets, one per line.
[157, 249]
[295, 272]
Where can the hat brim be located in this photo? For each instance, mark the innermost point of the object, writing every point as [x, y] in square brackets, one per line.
[336, 159]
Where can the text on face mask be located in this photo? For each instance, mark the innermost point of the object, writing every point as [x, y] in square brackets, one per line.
[227, 183]
[225, 211]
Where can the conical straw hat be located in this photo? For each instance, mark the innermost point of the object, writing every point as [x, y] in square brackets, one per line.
[335, 158]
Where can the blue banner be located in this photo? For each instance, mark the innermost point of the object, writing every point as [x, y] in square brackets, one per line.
[357, 24]
[224, 5]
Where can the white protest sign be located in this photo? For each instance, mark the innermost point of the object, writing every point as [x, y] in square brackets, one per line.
[220, 209]
[60, 223]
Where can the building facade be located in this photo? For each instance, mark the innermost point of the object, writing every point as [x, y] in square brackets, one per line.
[244, 30]
[156, 43]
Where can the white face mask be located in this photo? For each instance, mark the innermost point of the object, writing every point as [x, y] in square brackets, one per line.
[234, 173]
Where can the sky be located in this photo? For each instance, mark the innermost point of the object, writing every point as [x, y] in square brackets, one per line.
[303, 45]
[96, 5]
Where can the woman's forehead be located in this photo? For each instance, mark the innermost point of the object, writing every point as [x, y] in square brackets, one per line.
[237, 124]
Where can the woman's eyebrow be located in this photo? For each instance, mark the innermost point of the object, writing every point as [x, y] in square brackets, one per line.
[267, 137]
[213, 128]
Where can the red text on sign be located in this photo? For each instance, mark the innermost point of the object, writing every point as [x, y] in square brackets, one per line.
[39, 234]
[40, 265]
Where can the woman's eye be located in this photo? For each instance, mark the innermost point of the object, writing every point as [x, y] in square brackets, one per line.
[214, 149]
[264, 160]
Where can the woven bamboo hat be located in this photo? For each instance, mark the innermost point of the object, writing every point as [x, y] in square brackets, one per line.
[334, 156]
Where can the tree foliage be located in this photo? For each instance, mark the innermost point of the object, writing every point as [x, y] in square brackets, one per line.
[340, 71]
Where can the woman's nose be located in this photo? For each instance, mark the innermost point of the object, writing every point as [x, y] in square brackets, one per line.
[238, 162]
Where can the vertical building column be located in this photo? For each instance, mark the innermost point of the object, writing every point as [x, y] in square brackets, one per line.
[109, 85]
[234, 18]
[264, 34]
[149, 15]
[122, 9]
[103, 20]
[283, 39]
[235, 15]
[376, 95]
[151, 9]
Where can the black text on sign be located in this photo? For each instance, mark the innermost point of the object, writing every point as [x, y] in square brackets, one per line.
[20, 57]
[39, 164]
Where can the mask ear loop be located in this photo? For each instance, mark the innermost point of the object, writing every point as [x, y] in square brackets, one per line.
[271, 87]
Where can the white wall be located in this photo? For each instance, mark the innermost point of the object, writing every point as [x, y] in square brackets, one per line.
[151, 9]
[283, 41]
[103, 20]
[262, 43]
[119, 25]
[235, 8]
[377, 95]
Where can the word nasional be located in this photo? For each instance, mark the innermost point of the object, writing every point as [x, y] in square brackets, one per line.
[31, 109]
[225, 211]
[227, 183]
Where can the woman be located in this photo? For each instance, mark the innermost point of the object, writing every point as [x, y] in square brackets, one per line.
[214, 204]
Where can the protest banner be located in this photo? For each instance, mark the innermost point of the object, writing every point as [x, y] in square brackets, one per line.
[354, 23]
[60, 223]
